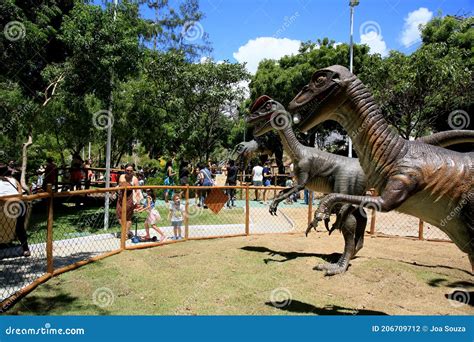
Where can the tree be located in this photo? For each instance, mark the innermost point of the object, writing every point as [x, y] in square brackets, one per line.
[417, 92]
[282, 79]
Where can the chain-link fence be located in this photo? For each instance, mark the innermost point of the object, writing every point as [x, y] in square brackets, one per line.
[81, 228]
[22, 254]
[48, 233]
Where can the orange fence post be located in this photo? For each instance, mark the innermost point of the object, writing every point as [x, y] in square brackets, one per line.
[186, 215]
[49, 232]
[372, 221]
[310, 207]
[420, 230]
[247, 210]
[123, 220]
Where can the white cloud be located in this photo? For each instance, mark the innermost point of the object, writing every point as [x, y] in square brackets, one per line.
[204, 60]
[375, 41]
[411, 33]
[260, 48]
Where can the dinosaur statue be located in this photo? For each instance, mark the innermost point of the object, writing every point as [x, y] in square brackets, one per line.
[323, 172]
[429, 182]
[318, 171]
[268, 145]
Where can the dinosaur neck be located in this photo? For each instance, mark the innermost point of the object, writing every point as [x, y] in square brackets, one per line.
[290, 143]
[377, 145]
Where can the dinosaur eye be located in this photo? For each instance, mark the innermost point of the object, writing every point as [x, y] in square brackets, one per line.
[321, 79]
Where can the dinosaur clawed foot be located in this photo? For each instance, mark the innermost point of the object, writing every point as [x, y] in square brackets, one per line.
[273, 210]
[319, 216]
[310, 226]
[331, 269]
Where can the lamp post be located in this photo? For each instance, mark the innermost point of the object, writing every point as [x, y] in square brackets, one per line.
[352, 4]
[109, 142]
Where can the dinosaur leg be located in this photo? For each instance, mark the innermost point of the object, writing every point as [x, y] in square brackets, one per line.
[395, 193]
[360, 230]
[342, 212]
[467, 214]
[348, 231]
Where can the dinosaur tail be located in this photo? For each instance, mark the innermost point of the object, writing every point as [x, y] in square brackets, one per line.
[448, 138]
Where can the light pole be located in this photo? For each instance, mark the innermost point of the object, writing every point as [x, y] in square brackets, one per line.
[352, 4]
[109, 142]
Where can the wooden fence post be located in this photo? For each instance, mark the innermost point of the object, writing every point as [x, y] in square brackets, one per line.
[372, 220]
[123, 219]
[49, 232]
[310, 207]
[420, 230]
[247, 210]
[186, 215]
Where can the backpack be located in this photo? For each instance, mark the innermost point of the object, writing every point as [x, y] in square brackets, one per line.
[207, 181]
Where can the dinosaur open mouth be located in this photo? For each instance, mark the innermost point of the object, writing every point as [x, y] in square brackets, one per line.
[260, 123]
[309, 109]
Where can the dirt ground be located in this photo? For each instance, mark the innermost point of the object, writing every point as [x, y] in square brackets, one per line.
[265, 275]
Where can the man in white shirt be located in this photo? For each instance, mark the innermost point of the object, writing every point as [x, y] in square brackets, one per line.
[257, 177]
[13, 215]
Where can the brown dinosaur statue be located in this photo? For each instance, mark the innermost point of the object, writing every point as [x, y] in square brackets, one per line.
[429, 182]
[323, 172]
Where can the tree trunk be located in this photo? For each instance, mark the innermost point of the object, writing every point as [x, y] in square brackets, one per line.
[24, 186]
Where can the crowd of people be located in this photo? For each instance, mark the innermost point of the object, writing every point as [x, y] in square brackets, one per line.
[80, 175]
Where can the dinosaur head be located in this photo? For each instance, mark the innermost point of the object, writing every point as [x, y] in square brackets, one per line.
[319, 100]
[267, 114]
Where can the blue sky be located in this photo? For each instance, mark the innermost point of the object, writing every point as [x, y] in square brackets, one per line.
[272, 28]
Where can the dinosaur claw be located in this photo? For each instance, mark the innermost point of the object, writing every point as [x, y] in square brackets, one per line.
[326, 224]
[310, 226]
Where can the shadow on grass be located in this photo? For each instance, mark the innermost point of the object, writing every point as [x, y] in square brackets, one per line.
[437, 282]
[52, 304]
[333, 257]
[295, 306]
[461, 296]
[432, 266]
[459, 293]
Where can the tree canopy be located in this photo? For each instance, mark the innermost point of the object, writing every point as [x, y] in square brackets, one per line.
[66, 64]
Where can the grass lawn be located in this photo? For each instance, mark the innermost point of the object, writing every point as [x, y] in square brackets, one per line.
[71, 221]
[261, 275]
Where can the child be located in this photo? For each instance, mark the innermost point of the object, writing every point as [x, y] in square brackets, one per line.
[153, 216]
[176, 215]
[289, 184]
